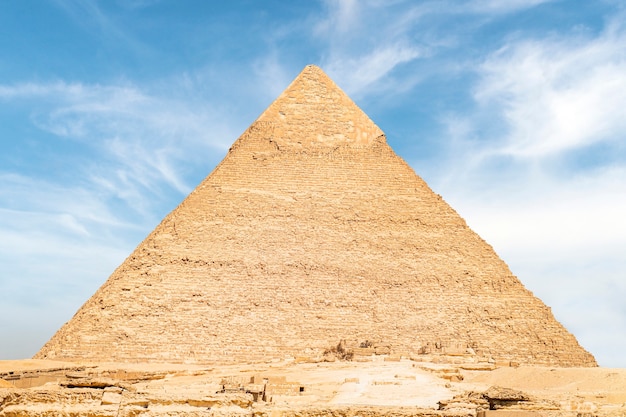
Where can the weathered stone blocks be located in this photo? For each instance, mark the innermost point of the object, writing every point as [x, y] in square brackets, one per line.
[311, 231]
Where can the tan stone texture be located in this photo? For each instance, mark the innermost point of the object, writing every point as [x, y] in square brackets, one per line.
[376, 388]
[312, 231]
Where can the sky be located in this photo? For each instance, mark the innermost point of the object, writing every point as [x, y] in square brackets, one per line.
[111, 112]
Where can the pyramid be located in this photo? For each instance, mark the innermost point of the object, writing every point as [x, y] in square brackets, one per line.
[311, 232]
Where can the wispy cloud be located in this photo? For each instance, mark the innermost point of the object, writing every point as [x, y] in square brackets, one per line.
[272, 71]
[357, 73]
[64, 204]
[88, 15]
[501, 7]
[138, 4]
[359, 56]
[557, 94]
[140, 136]
[343, 17]
[368, 40]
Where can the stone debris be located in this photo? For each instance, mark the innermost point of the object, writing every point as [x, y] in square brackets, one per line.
[452, 374]
[99, 383]
[375, 388]
[509, 403]
[36, 377]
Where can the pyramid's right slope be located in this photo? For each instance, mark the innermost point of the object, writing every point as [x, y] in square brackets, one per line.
[311, 231]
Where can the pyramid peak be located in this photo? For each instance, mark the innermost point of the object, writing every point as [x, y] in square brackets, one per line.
[312, 67]
[315, 112]
[319, 74]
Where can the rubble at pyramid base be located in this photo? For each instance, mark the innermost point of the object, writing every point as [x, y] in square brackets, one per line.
[378, 385]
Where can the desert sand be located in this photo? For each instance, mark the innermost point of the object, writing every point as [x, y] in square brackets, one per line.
[380, 385]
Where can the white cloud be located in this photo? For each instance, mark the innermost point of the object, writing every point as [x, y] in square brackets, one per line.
[579, 216]
[92, 18]
[22, 194]
[343, 16]
[143, 140]
[355, 74]
[366, 42]
[274, 75]
[558, 94]
[501, 7]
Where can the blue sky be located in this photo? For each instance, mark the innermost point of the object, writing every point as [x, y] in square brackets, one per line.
[112, 111]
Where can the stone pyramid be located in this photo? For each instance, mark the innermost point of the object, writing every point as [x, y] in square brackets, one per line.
[312, 231]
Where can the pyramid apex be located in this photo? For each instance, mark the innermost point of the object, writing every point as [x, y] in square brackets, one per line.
[315, 112]
[313, 68]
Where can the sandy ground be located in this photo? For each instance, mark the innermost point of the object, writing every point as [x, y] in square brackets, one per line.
[603, 385]
[374, 383]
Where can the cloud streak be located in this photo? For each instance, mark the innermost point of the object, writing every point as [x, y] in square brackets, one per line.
[558, 95]
[497, 7]
[368, 41]
[141, 136]
[88, 15]
[358, 73]
[365, 42]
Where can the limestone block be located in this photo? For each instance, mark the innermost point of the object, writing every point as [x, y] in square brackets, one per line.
[111, 397]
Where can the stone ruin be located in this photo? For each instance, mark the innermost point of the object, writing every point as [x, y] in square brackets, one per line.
[313, 234]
